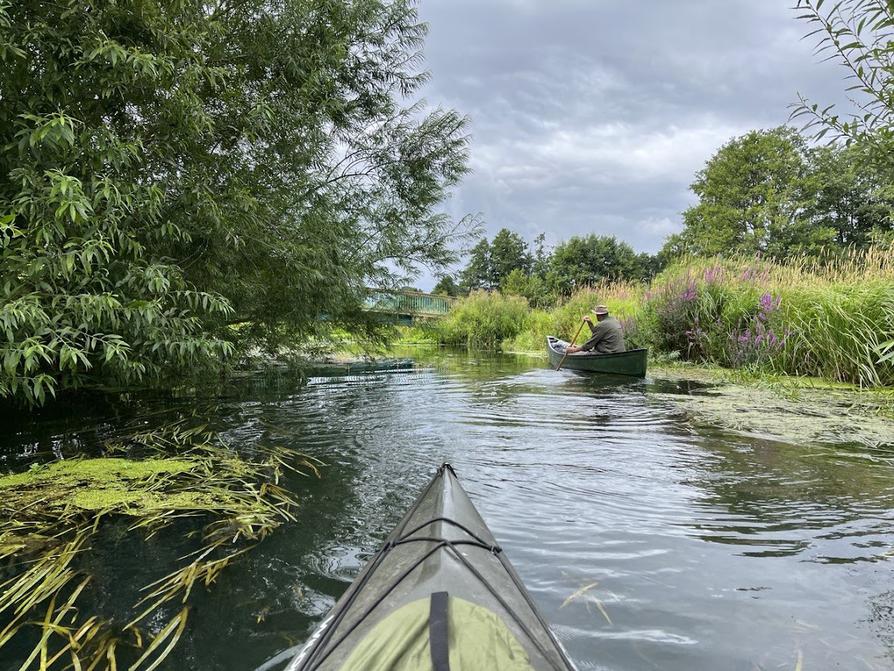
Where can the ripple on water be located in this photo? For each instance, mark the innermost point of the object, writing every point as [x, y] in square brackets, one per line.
[649, 544]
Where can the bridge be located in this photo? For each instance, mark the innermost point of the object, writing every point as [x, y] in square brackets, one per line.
[404, 307]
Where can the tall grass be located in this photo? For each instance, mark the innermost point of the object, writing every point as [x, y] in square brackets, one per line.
[800, 318]
[484, 320]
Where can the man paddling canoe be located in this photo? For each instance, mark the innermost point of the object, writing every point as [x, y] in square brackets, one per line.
[607, 336]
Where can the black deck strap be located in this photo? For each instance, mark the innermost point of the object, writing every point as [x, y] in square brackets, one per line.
[419, 527]
[437, 632]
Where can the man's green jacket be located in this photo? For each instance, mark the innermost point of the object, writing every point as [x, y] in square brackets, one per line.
[607, 338]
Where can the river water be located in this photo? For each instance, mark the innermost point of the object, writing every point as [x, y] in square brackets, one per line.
[648, 543]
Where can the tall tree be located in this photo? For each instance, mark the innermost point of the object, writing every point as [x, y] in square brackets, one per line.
[749, 192]
[769, 192]
[846, 196]
[508, 252]
[541, 258]
[168, 167]
[584, 261]
[447, 285]
[478, 274]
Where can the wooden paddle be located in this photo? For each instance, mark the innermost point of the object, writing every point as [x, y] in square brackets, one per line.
[571, 345]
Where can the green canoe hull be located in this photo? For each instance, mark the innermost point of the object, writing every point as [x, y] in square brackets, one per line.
[632, 362]
[441, 545]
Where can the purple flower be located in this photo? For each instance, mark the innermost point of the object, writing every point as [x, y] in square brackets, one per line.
[767, 303]
[713, 273]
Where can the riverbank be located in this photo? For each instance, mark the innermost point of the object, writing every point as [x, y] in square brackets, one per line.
[834, 321]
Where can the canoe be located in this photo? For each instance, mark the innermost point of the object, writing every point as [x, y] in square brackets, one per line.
[441, 595]
[632, 362]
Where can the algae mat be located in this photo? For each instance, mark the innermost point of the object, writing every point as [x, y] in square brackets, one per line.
[52, 512]
[793, 411]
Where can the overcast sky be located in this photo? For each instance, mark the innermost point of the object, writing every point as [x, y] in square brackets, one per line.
[592, 116]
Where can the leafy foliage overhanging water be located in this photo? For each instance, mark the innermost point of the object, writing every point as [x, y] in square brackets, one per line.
[170, 169]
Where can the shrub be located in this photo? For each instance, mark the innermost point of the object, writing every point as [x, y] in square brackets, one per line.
[800, 318]
[484, 319]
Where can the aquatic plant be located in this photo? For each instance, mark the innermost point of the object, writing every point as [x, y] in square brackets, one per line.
[50, 514]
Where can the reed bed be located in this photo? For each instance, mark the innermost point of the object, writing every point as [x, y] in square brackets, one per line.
[52, 513]
[832, 319]
[484, 320]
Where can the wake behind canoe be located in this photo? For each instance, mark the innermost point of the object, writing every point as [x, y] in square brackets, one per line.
[441, 595]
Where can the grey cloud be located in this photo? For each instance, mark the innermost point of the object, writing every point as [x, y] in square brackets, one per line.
[593, 115]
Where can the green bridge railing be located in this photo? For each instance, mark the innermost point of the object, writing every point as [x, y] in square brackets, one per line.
[408, 304]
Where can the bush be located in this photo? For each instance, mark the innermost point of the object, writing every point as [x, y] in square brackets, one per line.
[484, 320]
[532, 287]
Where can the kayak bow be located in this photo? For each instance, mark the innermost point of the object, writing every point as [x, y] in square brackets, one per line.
[439, 595]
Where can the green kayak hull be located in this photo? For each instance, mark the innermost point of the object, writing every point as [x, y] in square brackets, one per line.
[441, 545]
[632, 362]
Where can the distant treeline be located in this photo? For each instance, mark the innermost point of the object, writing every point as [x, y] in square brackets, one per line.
[767, 193]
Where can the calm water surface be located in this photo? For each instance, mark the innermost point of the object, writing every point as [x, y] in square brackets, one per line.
[709, 550]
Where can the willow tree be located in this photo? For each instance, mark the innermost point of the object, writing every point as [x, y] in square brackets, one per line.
[170, 168]
[859, 34]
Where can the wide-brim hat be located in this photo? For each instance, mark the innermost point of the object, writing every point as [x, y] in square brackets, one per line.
[600, 310]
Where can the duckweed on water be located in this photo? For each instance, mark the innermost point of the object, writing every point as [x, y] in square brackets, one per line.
[793, 410]
[50, 514]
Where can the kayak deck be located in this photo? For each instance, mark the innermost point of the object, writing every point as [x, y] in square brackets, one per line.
[397, 609]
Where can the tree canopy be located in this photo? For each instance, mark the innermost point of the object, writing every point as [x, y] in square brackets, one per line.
[508, 252]
[167, 169]
[477, 274]
[491, 262]
[769, 192]
[589, 260]
[447, 286]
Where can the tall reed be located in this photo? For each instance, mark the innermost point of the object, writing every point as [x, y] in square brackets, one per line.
[833, 320]
[484, 320]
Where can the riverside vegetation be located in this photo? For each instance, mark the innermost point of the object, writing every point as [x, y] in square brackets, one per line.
[182, 183]
[169, 171]
[834, 321]
[53, 514]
